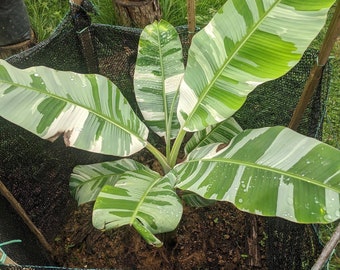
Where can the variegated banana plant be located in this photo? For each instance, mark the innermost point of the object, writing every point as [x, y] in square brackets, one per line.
[271, 171]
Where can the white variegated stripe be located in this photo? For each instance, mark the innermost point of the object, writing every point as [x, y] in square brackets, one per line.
[254, 84]
[207, 152]
[35, 105]
[97, 145]
[294, 182]
[142, 196]
[189, 98]
[219, 52]
[151, 112]
[229, 152]
[146, 75]
[159, 54]
[219, 133]
[87, 180]
[285, 200]
[171, 83]
[236, 52]
[154, 115]
[332, 177]
[250, 62]
[287, 31]
[332, 204]
[283, 158]
[231, 194]
[253, 9]
[88, 109]
[211, 108]
[72, 120]
[202, 174]
[243, 87]
[237, 21]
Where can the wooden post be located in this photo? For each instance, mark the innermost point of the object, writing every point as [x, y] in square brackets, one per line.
[21, 212]
[314, 77]
[81, 22]
[191, 18]
[137, 13]
[328, 249]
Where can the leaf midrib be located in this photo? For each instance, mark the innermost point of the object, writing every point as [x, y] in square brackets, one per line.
[67, 101]
[265, 168]
[143, 197]
[228, 60]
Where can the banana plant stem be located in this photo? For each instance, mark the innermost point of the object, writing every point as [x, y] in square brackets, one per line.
[176, 147]
[160, 157]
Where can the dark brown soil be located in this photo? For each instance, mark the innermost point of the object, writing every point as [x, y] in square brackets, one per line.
[215, 237]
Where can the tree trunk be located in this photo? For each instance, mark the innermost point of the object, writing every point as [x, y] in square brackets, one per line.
[137, 13]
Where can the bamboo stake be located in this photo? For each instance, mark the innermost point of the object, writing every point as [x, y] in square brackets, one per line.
[191, 18]
[18, 208]
[315, 74]
[8, 260]
[327, 250]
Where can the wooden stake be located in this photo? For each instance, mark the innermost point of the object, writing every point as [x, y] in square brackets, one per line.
[8, 260]
[191, 18]
[327, 250]
[315, 74]
[21, 212]
[253, 242]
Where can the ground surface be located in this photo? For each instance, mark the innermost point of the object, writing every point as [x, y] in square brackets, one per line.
[216, 237]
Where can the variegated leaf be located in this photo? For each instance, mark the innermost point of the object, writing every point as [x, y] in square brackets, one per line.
[89, 110]
[219, 133]
[159, 70]
[246, 43]
[143, 199]
[88, 180]
[271, 172]
[194, 200]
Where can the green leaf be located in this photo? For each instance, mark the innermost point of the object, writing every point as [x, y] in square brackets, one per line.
[140, 198]
[148, 236]
[269, 171]
[89, 110]
[194, 200]
[220, 133]
[88, 180]
[246, 44]
[159, 70]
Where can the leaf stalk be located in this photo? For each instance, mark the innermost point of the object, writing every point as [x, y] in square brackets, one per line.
[160, 157]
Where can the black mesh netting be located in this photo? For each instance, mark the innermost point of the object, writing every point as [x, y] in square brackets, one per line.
[26, 160]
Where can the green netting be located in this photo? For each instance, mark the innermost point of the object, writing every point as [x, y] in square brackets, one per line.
[111, 51]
